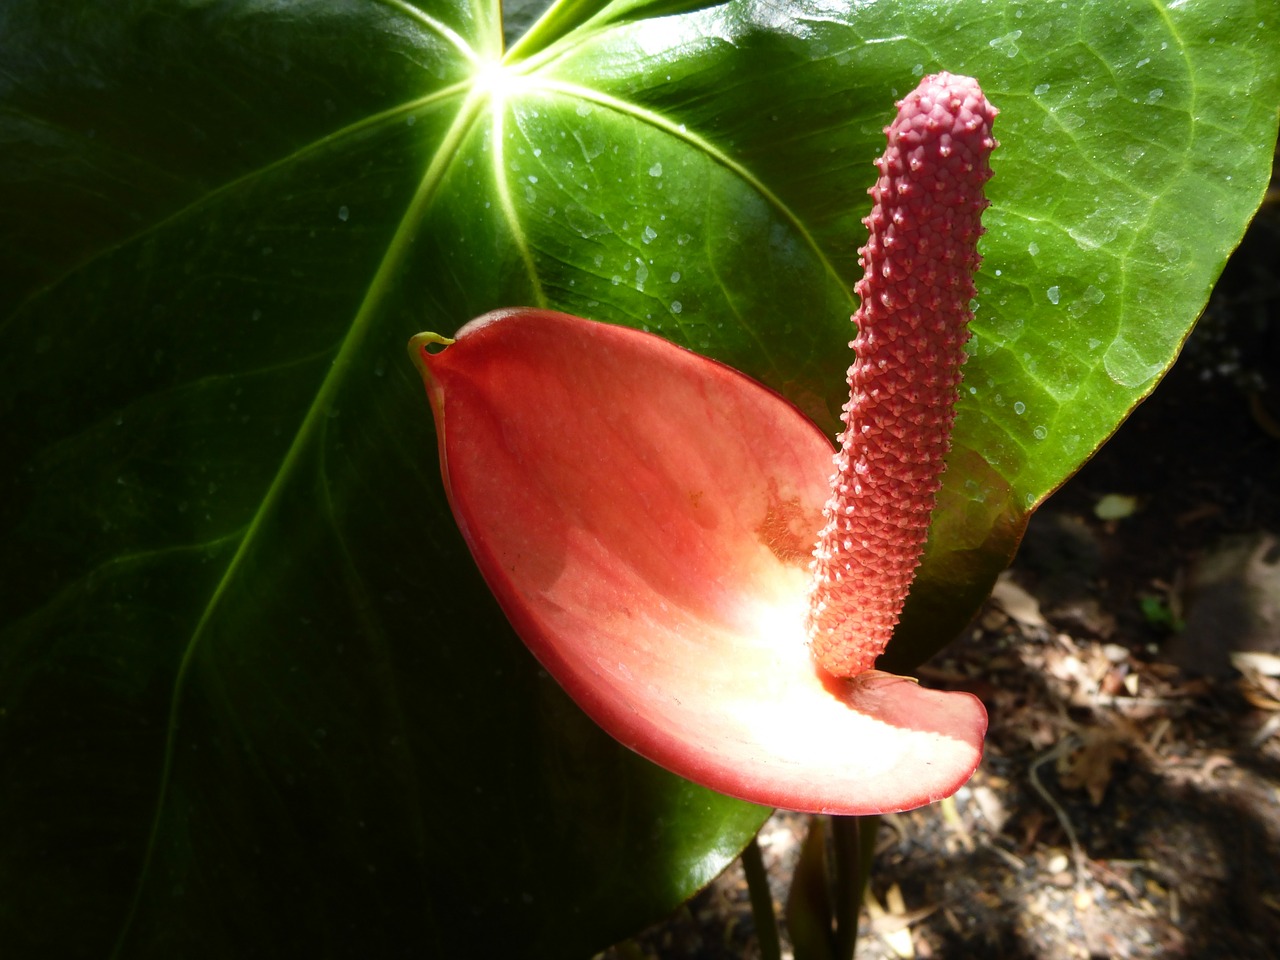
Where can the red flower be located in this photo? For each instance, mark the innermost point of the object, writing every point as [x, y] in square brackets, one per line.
[646, 517]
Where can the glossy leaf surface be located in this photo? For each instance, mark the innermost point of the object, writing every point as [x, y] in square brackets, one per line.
[254, 697]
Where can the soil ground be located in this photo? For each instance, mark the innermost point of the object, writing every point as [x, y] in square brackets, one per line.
[1128, 804]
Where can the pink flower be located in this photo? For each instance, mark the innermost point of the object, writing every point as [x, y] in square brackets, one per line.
[646, 517]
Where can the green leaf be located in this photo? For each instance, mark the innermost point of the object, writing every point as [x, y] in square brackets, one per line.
[254, 699]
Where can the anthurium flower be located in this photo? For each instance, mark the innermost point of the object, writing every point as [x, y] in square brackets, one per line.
[647, 517]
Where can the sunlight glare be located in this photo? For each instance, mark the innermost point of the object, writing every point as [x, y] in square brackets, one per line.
[496, 81]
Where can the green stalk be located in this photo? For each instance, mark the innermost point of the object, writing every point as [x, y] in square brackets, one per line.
[855, 843]
[761, 902]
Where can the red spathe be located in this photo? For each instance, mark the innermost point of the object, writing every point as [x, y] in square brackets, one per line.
[645, 517]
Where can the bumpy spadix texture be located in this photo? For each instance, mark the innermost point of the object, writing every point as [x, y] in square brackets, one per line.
[912, 326]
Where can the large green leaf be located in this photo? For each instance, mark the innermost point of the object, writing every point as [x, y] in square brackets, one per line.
[254, 699]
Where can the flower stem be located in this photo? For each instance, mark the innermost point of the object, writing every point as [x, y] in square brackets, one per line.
[761, 902]
[854, 848]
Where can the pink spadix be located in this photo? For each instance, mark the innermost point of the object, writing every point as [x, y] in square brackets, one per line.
[646, 516]
[913, 321]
